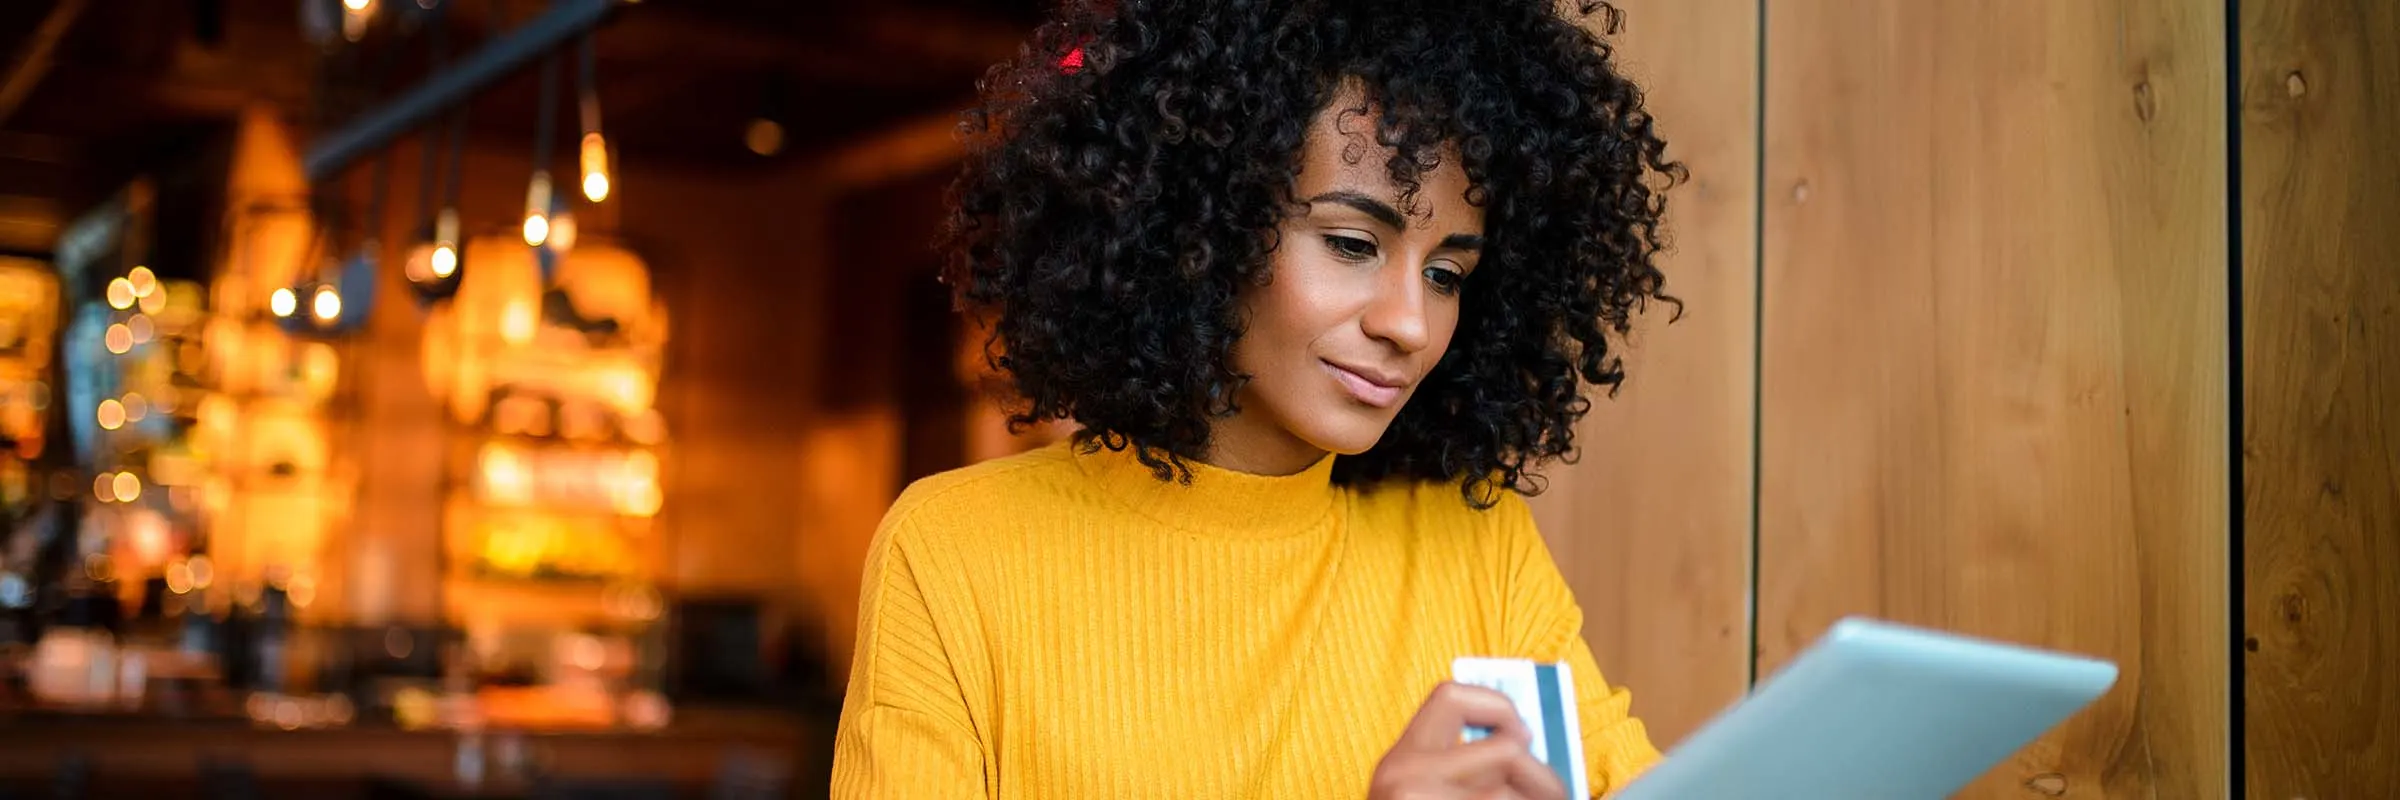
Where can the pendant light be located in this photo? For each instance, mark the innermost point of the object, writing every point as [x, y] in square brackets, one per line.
[593, 154]
[437, 262]
[538, 199]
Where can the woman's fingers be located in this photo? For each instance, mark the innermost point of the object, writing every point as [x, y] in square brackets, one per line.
[1452, 708]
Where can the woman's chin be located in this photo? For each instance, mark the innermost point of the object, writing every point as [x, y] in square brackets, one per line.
[1347, 437]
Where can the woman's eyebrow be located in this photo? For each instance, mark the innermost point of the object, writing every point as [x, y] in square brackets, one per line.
[1382, 212]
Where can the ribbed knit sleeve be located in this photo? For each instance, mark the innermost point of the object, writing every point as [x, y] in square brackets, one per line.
[905, 731]
[1544, 621]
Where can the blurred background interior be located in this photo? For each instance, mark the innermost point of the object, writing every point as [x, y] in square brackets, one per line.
[495, 398]
[399, 371]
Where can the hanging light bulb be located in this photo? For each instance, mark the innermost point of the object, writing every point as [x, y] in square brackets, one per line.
[283, 302]
[593, 154]
[119, 339]
[142, 280]
[433, 267]
[537, 209]
[155, 301]
[444, 261]
[355, 14]
[120, 294]
[326, 304]
[595, 167]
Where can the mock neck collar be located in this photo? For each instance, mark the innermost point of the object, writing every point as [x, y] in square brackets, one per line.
[1218, 501]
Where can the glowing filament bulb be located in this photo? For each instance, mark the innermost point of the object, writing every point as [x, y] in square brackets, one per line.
[327, 304]
[444, 261]
[595, 167]
[537, 209]
[283, 302]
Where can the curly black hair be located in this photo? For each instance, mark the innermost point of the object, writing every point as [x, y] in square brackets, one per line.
[1126, 174]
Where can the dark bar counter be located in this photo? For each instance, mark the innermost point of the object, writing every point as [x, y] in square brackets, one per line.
[704, 752]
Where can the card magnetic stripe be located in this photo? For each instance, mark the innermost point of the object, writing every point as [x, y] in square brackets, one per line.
[1554, 722]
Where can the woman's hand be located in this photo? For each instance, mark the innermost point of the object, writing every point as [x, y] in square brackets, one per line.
[1431, 763]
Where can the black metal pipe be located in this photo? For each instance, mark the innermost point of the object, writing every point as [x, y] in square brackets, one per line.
[333, 152]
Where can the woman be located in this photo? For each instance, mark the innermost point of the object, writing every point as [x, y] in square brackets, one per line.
[1321, 282]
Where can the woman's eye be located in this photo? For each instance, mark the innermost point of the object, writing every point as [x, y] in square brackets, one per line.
[1444, 280]
[1350, 247]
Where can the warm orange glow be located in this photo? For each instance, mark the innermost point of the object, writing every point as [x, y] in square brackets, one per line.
[765, 137]
[136, 408]
[302, 589]
[120, 294]
[142, 328]
[595, 186]
[104, 487]
[287, 710]
[643, 500]
[444, 260]
[518, 322]
[357, 5]
[111, 414]
[562, 232]
[204, 571]
[283, 302]
[627, 389]
[505, 476]
[154, 302]
[586, 652]
[129, 488]
[146, 536]
[119, 339]
[179, 577]
[144, 281]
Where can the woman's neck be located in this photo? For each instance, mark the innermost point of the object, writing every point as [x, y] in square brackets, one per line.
[1241, 445]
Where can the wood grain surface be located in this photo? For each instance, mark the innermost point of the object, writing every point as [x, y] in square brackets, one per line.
[2320, 85]
[1994, 353]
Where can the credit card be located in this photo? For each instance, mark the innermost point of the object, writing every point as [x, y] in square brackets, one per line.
[1544, 695]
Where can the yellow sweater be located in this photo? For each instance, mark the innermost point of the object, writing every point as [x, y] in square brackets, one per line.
[1063, 625]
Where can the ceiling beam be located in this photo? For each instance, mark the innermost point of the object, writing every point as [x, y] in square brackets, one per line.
[34, 63]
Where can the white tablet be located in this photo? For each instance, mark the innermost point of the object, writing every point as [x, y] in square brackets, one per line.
[1875, 710]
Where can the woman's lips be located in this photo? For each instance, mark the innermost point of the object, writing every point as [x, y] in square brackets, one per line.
[1364, 389]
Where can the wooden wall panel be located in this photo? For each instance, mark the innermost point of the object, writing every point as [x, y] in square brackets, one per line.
[2321, 397]
[1652, 528]
[1994, 350]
